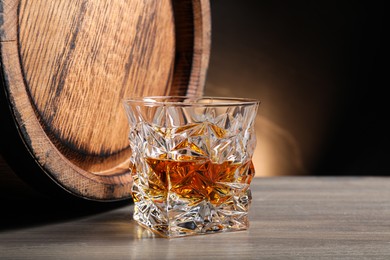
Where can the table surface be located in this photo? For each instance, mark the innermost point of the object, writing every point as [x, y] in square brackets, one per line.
[290, 217]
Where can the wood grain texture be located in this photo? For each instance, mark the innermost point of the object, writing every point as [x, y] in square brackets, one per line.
[8, 20]
[66, 66]
[194, 24]
[94, 54]
[290, 218]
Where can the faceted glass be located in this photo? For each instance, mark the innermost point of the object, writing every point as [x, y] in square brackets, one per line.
[191, 163]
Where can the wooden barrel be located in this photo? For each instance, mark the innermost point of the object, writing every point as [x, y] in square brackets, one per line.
[65, 67]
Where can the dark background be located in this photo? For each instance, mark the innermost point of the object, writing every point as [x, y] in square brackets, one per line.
[320, 71]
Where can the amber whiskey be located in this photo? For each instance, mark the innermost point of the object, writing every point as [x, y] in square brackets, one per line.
[198, 179]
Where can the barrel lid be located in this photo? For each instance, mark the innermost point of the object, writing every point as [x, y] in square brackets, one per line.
[66, 66]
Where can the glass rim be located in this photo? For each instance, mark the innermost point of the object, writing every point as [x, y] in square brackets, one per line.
[187, 101]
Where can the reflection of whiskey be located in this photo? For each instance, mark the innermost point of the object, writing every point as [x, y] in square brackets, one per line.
[198, 179]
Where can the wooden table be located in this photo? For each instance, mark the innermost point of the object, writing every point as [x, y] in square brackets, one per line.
[291, 218]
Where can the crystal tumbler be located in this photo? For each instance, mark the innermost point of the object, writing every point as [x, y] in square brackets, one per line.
[191, 163]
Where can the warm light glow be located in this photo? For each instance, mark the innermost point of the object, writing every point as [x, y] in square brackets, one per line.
[277, 152]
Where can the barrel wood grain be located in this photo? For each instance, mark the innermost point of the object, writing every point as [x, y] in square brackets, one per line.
[66, 66]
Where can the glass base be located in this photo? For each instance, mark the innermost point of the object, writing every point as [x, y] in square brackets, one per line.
[181, 217]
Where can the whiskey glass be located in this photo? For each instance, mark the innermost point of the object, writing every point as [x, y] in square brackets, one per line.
[191, 163]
